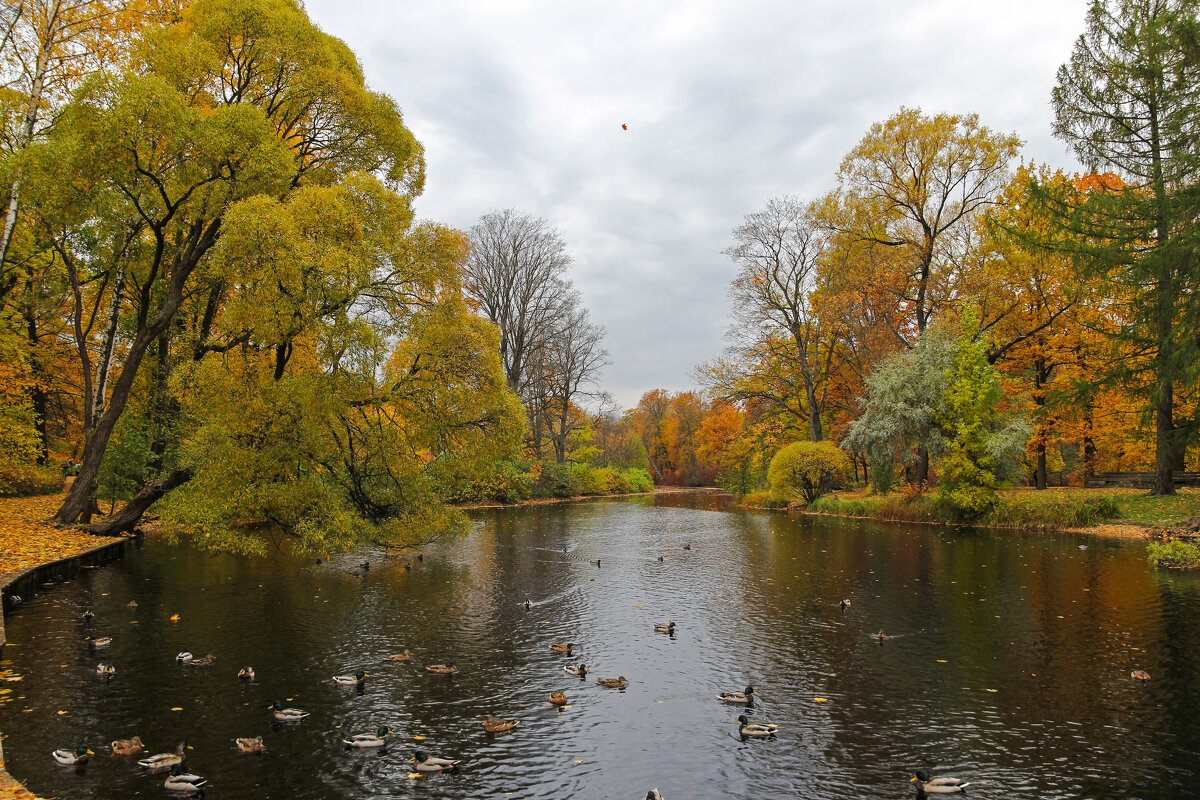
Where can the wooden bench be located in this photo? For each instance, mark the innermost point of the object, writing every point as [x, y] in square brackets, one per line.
[1138, 480]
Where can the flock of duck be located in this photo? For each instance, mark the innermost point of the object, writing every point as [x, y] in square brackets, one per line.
[179, 782]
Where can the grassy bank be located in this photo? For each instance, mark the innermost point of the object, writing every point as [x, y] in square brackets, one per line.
[1026, 509]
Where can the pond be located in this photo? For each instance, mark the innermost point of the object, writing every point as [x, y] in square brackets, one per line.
[1007, 662]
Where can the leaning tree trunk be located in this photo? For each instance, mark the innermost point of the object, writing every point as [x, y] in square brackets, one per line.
[131, 513]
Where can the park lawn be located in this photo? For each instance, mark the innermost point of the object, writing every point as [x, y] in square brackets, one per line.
[1056, 508]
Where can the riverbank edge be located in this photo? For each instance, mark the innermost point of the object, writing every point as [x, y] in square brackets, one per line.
[10, 787]
[583, 498]
[1116, 530]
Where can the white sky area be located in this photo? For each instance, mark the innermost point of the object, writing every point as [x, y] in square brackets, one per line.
[520, 104]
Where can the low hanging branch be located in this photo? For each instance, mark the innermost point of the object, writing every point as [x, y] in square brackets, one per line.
[131, 513]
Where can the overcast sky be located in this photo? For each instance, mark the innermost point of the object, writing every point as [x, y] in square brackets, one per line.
[520, 104]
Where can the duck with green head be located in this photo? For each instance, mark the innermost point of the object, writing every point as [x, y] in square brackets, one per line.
[756, 730]
[69, 758]
[926, 785]
[745, 698]
[181, 782]
[287, 714]
[428, 763]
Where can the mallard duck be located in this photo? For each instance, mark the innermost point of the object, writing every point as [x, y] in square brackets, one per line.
[936, 785]
[377, 739]
[562, 647]
[357, 679]
[88, 616]
[660, 558]
[164, 760]
[246, 673]
[184, 782]
[102, 641]
[687, 546]
[653, 794]
[442, 669]
[287, 714]
[127, 747]
[596, 563]
[581, 670]
[845, 604]
[558, 699]
[743, 698]
[404, 657]
[428, 763]
[1140, 675]
[131, 605]
[106, 670]
[203, 661]
[879, 637]
[664, 627]
[528, 605]
[497, 725]
[756, 730]
[613, 683]
[69, 758]
[185, 656]
[250, 745]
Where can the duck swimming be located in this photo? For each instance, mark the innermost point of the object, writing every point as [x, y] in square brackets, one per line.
[926, 785]
[185, 656]
[76, 757]
[664, 627]
[1140, 675]
[563, 647]
[756, 730]
[400, 658]
[442, 669]
[204, 661]
[496, 725]
[250, 745]
[581, 670]
[163, 760]
[363, 740]
[743, 698]
[106, 670]
[613, 683]
[357, 679]
[182, 782]
[127, 747]
[246, 673]
[287, 714]
[428, 763]
[102, 641]
[558, 699]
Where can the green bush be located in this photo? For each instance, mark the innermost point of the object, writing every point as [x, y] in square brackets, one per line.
[1174, 555]
[553, 480]
[1053, 509]
[806, 470]
[639, 480]
[19, 480]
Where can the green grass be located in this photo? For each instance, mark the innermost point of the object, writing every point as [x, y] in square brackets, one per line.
[1174, 555]
[1028, 509]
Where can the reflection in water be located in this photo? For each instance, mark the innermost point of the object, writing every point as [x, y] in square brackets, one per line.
[1007, 662]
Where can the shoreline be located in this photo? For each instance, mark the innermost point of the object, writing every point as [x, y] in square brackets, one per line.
[583, 498]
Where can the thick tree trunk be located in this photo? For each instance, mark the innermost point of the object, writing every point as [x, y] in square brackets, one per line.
[1040, 376]
[815, 432]
[131, 513]
[1164, 450]
[922, 468]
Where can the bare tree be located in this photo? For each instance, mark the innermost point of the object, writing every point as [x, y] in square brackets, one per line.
[574, 359]
[778, 328]
[515, 273]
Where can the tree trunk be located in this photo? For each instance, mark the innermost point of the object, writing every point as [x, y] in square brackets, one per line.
[1164, 450]
[922, 468]
[107, 344]
[29, 123]
[131, 513]
[1040, 376]
[815, 432]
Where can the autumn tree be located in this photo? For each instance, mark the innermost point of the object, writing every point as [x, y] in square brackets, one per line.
[912, 187]
[1128, 100]
[237, 100]
[571, 362]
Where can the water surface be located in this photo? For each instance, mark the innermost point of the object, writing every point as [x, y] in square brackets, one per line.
[1007, 662]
